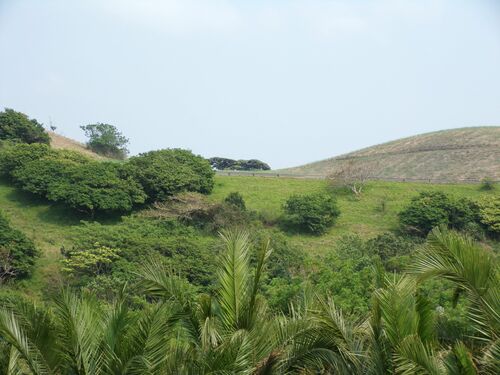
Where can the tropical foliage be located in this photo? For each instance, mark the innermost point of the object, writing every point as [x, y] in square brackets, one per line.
[232, 331]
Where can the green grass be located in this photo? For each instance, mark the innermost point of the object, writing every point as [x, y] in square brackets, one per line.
[362, 215]
[51, 226]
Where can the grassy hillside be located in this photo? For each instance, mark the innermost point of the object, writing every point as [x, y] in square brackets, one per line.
[52, 226]
[58, 141]
[448, 155]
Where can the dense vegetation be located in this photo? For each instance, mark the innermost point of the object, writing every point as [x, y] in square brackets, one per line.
[232, 331]
[378, 288]
[17, 127]
[17, 253]
[93, 186]
[238, 165]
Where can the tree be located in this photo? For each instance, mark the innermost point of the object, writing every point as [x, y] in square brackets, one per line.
[352, 175]
[164, 173]
[18, 127]
[240, 165]
[431, 209]
[313, 213]
[15, 156]
[17, 253]
[105, 139]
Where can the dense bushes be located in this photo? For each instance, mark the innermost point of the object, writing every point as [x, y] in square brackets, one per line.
[17, 253]
[313, 213]
[17, 127]
[164, 173]
[92, 186]
[435, 208]
[106, 256]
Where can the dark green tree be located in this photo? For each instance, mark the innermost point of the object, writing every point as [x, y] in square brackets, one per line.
[164, 173]
[18, 127]
[105, 139]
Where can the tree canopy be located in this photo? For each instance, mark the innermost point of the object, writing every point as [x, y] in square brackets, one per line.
[18, 127]
[105, 139]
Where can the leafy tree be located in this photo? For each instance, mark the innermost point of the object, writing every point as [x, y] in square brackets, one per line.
[164, 173]
[489, 213]
[17, 127]
[105, 139]
[17, 253]
[434, 208]
[236, 199]
[313, 213]
[241, 165]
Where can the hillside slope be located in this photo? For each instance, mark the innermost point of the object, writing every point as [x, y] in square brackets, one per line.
[58, 141]
[448, 155]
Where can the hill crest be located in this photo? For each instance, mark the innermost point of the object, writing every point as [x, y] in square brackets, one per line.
[470, 153]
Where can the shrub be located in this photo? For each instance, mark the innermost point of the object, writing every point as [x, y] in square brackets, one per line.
[487, 184]
[15, 156]
[313, 213]
[17, 252]
[96, 187]
[17, 127]
[106, 140]
[489, 215]
[236, 199]
[186, 250]
[37, 176]
[432, 209]
[164, 173]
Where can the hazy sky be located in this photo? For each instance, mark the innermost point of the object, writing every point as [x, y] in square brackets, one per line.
[287, 82]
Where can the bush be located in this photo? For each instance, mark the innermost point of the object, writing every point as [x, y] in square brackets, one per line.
[96, 187]
[164, 173]
[185, 250]
[105, 139]
[17, 253]
[393, 251]
[489, 215]
[236, 199]
[432, 209]
[17, 127]
[487, 184]
[14, 156]
[313, 213]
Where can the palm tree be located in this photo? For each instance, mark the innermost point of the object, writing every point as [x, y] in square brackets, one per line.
[475, 274]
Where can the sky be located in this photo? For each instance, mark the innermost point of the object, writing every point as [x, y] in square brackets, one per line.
[287, 82]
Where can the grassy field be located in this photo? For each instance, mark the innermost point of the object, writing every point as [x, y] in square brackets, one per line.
[52, 227]
[373, 213]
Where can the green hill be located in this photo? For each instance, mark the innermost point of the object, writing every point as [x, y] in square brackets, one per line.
[447, 156]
